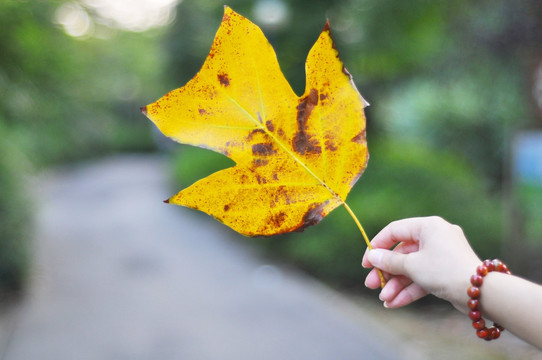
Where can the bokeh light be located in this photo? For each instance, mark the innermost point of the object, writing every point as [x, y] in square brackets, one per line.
[79, 18]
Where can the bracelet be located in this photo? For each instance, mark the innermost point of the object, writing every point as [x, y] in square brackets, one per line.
[474, 293]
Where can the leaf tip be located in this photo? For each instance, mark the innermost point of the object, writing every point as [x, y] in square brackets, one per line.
[327, 27]
[143, 110]
[166, 201]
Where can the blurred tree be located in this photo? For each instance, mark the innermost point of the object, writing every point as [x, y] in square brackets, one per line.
[14, 219]
[63, 98]
[451, 75]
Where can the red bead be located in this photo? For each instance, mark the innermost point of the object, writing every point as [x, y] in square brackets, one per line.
[479, 324]
[505, 269]
[473, 292]
[475, 315]
[482, 333]
[495, 333]
[476, 280]
[473, 304]
[482, 270]
[498, 265]
[489, 265]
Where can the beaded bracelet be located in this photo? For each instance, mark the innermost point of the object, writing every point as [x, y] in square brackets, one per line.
[474, 303]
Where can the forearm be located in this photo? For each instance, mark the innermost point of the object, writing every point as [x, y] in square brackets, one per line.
[514, 303]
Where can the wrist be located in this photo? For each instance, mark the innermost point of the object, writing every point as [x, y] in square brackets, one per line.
[474, 303]
[458, 291]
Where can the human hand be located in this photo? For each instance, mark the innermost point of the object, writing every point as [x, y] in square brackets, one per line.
[431, 256]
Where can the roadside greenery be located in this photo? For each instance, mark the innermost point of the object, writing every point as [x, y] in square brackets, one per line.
[14, 220]
[63, 99]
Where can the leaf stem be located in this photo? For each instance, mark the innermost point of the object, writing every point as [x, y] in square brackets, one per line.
[380, 275]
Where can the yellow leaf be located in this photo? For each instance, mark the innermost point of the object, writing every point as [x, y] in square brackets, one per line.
[296, 157]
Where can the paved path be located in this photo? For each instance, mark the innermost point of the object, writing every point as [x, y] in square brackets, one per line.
[120, 275]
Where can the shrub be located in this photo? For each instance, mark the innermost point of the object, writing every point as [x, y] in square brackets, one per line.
[14, 219]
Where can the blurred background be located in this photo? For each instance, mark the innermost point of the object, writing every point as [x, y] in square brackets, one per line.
[454, 126]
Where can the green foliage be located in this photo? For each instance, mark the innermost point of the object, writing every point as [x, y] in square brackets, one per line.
[191, 164]
[530, 198]
[64, 98]
[14, 220]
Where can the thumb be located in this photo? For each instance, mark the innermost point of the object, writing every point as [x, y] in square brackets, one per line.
[388, 261]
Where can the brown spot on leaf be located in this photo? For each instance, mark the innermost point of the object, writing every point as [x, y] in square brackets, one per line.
[226, 17]
[261, 180]
[278, 219]
[254, 133]
[323, 97]
[304, 144]
[202, 111]
[260, 162]
[143, 110]
[275, 177]
[282, 194]
[263, 149]
[330, 145]
[360, 138]
[226, 207]
[224, 80]
[280, 132]
[270, 125]
[305, 107]
[313, 216]
[302, 141]
[166, 201]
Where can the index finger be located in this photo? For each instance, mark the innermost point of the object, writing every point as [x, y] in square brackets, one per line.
[405, 230]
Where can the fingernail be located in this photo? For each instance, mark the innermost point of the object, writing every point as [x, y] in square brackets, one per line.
[386, 305]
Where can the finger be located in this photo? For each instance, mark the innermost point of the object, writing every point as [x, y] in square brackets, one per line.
[397, 231]
[406, 296]
[389, 261]
[402, 248]
[364, 261]
[393, 287]
[402, 230]
[372, 281]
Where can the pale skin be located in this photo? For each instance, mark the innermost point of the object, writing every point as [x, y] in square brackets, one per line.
[432, 256]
